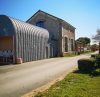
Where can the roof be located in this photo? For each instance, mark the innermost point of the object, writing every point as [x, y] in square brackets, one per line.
[63, 21]
[14, 26]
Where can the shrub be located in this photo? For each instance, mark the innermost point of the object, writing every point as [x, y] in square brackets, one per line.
[98, 61]
[86, 65]
[93, 56]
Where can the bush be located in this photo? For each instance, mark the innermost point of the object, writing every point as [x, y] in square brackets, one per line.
[98, 61]
[86, 65]
[93, 56]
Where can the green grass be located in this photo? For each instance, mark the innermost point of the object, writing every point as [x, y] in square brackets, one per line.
[88, 52]
[71, 55]
[74, 55]
[74, 85]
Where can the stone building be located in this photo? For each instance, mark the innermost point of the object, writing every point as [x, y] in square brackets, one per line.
[62, 34]
[41, 36]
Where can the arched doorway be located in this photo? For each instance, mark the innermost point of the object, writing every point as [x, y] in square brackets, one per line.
[66, 44]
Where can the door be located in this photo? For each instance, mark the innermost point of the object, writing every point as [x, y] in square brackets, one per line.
[6, 49]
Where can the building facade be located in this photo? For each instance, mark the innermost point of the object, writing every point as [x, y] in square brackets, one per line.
[20, 40]
[41, 36]
[62, 34]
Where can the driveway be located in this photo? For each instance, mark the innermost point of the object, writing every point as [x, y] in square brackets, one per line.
[16, 80]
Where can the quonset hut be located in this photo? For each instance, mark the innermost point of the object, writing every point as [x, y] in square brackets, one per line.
[22, 40]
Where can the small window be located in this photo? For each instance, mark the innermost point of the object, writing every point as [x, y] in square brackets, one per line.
[72, 48]
[40, 24]
[66, 44]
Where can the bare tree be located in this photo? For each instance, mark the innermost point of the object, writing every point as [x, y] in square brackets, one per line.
[97, 38]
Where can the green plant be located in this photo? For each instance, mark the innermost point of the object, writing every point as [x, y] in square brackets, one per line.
[93, 56]
[74, 85]
[86, 65]
[98, 61]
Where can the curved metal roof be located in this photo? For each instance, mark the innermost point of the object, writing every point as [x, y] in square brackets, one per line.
[11, 26]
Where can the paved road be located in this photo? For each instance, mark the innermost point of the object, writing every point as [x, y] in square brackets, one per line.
[16, 80]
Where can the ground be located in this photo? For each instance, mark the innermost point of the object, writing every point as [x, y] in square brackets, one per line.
[17, 80]
[74, 85]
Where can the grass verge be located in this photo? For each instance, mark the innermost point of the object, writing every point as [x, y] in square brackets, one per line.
[74, 55]
[75, 84]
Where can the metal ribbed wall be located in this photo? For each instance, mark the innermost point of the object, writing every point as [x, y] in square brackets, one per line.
[30, 41]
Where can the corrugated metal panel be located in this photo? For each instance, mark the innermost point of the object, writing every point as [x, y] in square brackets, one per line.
[30, 40]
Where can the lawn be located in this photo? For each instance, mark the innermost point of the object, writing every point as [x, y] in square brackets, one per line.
[74, 85]
[74, 55]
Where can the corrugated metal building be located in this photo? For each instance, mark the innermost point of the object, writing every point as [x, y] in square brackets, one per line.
[22, 40]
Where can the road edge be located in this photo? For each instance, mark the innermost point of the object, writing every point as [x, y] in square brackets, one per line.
[48, 85]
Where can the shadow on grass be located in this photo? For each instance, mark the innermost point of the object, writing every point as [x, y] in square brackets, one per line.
[92, 73]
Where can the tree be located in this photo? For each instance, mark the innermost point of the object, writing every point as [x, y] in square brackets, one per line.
[94, 47]
[84, 40]
[97, 38]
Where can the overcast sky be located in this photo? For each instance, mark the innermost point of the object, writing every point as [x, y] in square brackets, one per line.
[82, 14]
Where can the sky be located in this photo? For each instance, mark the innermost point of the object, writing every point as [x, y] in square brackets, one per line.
[84, 15]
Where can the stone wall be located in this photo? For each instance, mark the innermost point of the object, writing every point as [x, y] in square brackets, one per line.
[52, 25]
[70, 34]
[57, 31]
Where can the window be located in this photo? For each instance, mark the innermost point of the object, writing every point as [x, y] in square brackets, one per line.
[66, 44]
[72, 45]
[40, 24]
[53, 37]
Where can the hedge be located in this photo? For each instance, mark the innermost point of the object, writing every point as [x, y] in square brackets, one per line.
[86, 65]
[98, 61]
[93, 56]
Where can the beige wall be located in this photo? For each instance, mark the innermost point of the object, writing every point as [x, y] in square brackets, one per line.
[51, 24]
[56, 28]
[67, 32]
